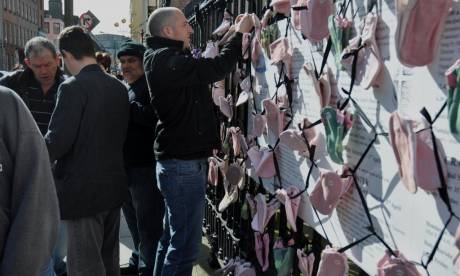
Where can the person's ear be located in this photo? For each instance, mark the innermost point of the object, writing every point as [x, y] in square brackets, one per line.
[65, 54]
[27, 62]
[168, 31]
[56, 59]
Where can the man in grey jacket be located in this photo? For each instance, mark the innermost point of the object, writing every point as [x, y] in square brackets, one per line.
[29, 214]
[86, 136]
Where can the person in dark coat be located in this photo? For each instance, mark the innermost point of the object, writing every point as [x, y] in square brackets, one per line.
[86, 136]
[144, 208]
[187, 129]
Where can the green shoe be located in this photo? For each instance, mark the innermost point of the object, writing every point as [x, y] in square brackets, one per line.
[340, 31]
[336, 36]
[268, 36]
[332, 127]
[336, 123]
[341, 132]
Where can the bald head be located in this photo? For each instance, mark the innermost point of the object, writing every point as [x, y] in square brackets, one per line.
[161, 18]
[170, 23]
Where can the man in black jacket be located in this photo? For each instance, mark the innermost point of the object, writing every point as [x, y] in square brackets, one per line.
[38, 83]
[187, 129]
[144, 208]
[86, 136]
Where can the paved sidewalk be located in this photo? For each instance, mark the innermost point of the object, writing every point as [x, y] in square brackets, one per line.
[126, 246]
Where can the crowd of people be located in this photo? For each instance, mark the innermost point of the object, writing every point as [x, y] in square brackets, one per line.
[76, 149]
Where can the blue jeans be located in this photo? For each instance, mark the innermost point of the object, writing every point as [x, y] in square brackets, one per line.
[144, 211]
[183, 185]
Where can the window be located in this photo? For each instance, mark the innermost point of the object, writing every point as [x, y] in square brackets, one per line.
[6, 32]
[22, 34]
[47, 27]
[15, 34]
[10, 37]
[56, 28]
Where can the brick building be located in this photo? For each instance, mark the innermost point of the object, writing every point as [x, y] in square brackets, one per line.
[20, 21]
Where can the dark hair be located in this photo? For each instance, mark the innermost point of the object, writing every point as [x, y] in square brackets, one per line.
[104, 60]
[74, 40]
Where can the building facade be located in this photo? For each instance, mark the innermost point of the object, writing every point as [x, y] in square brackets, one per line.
[52, 27]
[55, 9]
[139, 12]
[21, 20]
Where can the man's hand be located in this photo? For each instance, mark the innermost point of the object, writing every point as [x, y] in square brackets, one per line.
[244, 23]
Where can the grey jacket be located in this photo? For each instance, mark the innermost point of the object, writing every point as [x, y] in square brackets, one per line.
[86, 136]
[29, 213]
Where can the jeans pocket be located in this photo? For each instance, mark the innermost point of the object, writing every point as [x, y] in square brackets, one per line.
[190, 168]
[167, 181]
[193, 179]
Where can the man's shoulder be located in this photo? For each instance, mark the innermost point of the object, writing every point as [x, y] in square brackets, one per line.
[16, 74]
[70, 85]
[61, 76]
[7, 96]
[10, 103]
[83, 80]
[69, 81]
[12, 79]
[159, 60]
[160, 53]
[112, 80]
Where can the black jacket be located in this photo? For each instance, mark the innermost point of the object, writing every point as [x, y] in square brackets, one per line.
[141, 129]
[179, 86]
[40, 105]
[86, 136]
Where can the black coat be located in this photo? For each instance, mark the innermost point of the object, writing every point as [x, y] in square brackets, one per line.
[141, 129]
[179, 86]
[40, 105]
[86, 136]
